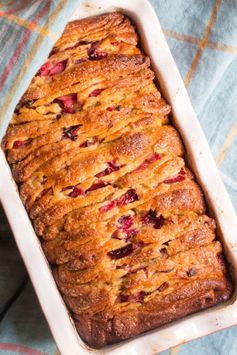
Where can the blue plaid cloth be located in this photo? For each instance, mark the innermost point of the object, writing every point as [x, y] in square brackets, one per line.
[202, 36]
[28, 30]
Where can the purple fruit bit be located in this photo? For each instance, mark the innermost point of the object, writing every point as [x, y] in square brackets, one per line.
[153, 219]
[58, 68]
[150, 216]
[148, 161]
[111, 166]
[67, 102]
[80, 60]
[110, 108]
[93, 47]
[95, 92]
[108, 207]
[128, 197]
[136, 297]
[192, 272]
[71, 132]
[97, 185]
[50, 69]
[163, 286]
[94, 53]
[123, 298]
[21, 144]
[121, 252]
[45, 69]
[97, 55]
[125, 222]
[159, 222]
[76, 192]
[139, 296]
[180, 177]
[18, 144]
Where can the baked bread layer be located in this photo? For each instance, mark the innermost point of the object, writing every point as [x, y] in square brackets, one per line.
[102, 174]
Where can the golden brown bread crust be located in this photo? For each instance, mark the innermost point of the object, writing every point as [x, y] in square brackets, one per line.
[113, 24]
[102, 175]
[103, 329]
[81, 74]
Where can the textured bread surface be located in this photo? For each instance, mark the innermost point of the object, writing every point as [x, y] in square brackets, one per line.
[102, 174]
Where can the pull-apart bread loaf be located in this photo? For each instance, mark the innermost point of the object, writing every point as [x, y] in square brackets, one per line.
[102, 175]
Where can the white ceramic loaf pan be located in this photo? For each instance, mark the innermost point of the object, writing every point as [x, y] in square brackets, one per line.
[201, 161]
